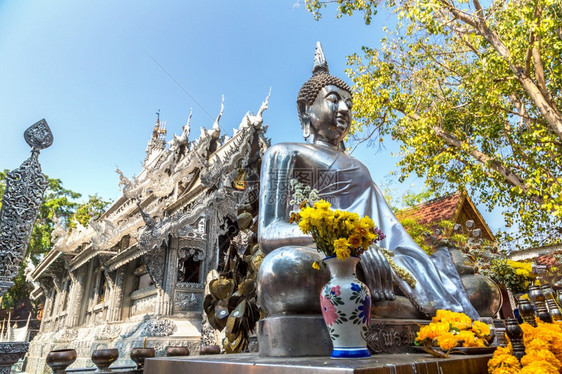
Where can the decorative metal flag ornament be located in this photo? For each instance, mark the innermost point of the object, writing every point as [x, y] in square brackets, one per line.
[20, 205]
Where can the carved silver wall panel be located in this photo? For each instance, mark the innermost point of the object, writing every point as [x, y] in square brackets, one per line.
[188, 301]
[144, 306]
[159, 327]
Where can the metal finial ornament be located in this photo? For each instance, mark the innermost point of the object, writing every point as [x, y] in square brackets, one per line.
[39, 135]
[320, 64]
[20, 205]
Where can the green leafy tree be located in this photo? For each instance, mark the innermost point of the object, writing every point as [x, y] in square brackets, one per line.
[57, 202]
[473, 93]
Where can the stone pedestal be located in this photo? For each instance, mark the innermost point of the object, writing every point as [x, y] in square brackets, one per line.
[393, 335]
[247, 363]
[291, 336]
[301, 336]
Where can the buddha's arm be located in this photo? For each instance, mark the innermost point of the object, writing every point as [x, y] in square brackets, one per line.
[274, 229]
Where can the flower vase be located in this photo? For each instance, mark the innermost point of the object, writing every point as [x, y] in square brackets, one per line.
[346, 308]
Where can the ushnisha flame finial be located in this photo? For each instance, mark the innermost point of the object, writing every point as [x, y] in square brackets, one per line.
[320, 65]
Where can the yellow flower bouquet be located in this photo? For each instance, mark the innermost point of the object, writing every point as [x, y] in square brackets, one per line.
[338, 233]
[449, 330]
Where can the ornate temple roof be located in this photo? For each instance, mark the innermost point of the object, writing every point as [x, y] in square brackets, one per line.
[181, 181]
[456, 207]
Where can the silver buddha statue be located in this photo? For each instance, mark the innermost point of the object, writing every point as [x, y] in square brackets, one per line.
[288, 287]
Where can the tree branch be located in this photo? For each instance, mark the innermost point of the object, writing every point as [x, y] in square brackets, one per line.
[521, 109]
[496, 165]
[548, 110]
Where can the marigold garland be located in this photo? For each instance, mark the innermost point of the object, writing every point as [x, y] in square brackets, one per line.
[449, 330]
[543, 352]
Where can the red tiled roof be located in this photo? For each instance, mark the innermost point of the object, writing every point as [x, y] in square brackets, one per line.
[433, 211]
[547, 260]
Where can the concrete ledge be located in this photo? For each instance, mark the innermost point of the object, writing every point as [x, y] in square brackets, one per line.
[251, 363]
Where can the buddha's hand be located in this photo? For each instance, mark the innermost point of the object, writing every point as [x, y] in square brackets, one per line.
[378, 274]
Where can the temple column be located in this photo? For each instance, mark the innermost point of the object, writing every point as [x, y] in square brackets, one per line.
[170, 277]
[75, 303]
[116, 299]
[163, 305]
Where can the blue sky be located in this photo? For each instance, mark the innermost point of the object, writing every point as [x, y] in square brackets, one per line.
[97, 71]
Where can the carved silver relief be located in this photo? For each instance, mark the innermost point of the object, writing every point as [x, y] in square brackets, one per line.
[159, 327]
[187, 301]
[154, 261]
[66, 335]
[107, 332]
[144, 306]
[190, 286]
[22, 199]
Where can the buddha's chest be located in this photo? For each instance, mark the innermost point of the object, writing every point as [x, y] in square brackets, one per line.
[337, 176]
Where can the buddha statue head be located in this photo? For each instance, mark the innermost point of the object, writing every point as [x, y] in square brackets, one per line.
[324, 104]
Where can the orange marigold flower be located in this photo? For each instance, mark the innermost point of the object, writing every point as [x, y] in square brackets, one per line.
[539, 367]
[447, 341]
[481, 329]
[540, 355]
[468, 338]
[432, 331]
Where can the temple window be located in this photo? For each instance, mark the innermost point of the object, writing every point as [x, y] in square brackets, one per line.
[102, 287]
[189, 265]
[142, 278]
[188, 270]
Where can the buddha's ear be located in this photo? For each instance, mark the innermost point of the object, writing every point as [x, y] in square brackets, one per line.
[305, 127]
[304, 118]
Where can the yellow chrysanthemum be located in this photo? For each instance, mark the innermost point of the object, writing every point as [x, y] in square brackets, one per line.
[322, 204]
[341, 246]
[355, 240]
[315, 265]
[304, 225]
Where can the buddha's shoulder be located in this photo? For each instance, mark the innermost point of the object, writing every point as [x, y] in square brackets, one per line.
[289, 149]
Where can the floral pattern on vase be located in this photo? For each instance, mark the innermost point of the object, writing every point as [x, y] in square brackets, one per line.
[346, 308]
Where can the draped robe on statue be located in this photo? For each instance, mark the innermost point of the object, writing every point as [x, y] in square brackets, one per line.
[346, 183]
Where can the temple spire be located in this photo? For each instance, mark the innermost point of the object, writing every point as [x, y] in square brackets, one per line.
[158, 140]
[216, 129]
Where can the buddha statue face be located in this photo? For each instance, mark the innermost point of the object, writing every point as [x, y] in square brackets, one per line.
[329, 116]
